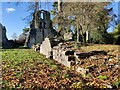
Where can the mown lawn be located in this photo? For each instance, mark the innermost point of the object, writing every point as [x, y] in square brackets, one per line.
[26, 69]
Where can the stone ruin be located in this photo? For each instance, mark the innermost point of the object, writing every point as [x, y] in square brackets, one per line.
[40, 28]
[4, 42]
[41, 38]
[67, 54]
[60, 53]
[3, 37]
[63, 55]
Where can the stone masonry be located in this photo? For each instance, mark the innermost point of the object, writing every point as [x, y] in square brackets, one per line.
[64, 56]
[45, 48]
[62, 53]
[40, 28]
[3, 37]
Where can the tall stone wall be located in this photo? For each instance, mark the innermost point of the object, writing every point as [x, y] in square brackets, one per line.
[3, 37]
[40, 28]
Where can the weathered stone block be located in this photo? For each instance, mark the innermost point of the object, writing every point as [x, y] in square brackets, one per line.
[36, 47]
[64, 56]
[82, 71]
[45, 48]
[66, 62]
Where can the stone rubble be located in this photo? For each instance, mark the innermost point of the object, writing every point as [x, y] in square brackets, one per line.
[36, 47]
[4, 42]
[82, 71]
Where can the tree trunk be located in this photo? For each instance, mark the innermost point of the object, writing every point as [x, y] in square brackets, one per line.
[83, 38]
[59, 6]
[37, 5]
[78, 33]
[60, 17]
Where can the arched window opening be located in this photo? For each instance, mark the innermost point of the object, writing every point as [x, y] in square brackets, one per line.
[41, 15]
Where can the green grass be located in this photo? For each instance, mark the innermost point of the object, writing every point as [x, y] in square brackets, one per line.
[24, 68]
[101, 47]
[102, 77]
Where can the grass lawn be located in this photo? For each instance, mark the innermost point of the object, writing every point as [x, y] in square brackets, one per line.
[26, 69]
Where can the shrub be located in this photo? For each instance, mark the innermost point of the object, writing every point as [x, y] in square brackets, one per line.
[97, 37]
[100, 37]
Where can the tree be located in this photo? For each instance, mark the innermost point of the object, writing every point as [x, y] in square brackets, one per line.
[59, 6]
[116, 34]
[81, 16]
[117, 30]
[25, 30]
[14, 36]
[32, 8]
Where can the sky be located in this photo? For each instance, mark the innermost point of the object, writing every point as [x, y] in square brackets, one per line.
[12, 16]
[115, 11]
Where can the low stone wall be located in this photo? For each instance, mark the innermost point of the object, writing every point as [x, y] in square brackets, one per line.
[62, 53]
[64, 56]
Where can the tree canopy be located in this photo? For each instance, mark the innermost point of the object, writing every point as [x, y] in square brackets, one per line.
[82, 17]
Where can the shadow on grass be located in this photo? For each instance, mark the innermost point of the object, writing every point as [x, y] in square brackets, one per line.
[91, 53]
[20, 47]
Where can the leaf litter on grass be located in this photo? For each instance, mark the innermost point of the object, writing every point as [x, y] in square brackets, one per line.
[27, 69]
[32, 70]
